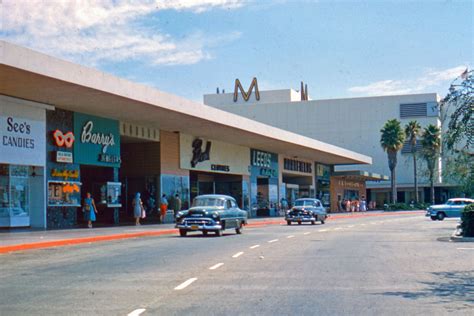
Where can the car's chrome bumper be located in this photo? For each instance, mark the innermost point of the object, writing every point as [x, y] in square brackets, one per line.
[199, 227]
[301, 219]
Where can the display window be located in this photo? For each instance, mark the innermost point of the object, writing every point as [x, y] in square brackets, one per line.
[64, 193]
[14, 191]
[108, 193]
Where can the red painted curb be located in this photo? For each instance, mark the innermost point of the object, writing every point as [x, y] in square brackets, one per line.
[84, 240]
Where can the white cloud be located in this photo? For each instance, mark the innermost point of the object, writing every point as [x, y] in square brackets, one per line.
[429, 80]
[90, 31]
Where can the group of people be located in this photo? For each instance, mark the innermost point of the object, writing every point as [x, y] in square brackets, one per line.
[352, 205]
[90, 210]
[140, 212]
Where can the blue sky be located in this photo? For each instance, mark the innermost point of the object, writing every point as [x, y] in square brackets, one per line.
[339, 48]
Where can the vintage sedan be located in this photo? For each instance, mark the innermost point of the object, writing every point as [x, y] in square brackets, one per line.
[452, 208]
[211, 213]
[306, 211]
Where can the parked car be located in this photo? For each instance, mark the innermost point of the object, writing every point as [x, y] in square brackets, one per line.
[306, 210]
[452, 208]
[211, 213]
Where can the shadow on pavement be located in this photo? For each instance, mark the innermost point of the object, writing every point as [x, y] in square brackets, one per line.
[450, 287]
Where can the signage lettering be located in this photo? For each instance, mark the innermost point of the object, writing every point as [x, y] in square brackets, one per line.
[61, 139]
[23, 128]
[21, 141]
[261, 159]
[350, 184]
[101, 139]
[220, 168]
[246, 95]
[268, 172]
[297, 165]
[18, 142]
[65, 173]
[64, 156]
[198, 154]
[109, 158]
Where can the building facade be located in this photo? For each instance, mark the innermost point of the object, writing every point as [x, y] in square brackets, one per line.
[68, 130]
[352, 123]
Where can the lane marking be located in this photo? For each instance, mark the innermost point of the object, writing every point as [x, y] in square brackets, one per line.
[218, 265]
[254, 246]
[323, 230]
[363, 224]
[291, 236]
[465, 248]
[136, 312]
[307, 233]
[273, 240]
[350, 226]
[238, 254]
[338, 228]
[185, 284]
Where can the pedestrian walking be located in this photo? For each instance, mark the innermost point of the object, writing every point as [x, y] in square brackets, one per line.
[138, 209]
[163, 208]
[348, 205]
[363, 205]
[177, 204]
[89, 209]
[339, 204]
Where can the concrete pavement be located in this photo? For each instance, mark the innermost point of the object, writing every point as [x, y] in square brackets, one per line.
[19, 240]
[387, 265]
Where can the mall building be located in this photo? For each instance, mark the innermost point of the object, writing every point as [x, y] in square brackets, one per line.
[66, 130]
[352, 123]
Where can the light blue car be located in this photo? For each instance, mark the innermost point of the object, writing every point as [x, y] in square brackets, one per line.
[452, 208]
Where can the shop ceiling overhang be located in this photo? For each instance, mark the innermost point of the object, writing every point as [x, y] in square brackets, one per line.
[360, 175]
[34, 76]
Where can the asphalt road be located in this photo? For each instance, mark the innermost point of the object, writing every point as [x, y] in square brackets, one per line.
[387, 265]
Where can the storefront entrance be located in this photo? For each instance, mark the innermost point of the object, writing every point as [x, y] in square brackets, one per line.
[215, 183]
[99, 182]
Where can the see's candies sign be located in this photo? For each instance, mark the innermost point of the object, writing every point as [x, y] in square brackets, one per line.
[22, 135]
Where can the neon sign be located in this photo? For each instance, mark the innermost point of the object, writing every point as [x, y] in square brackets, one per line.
[61, 139]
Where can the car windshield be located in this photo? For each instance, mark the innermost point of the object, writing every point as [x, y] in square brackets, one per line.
[208, 201]
[304, 203]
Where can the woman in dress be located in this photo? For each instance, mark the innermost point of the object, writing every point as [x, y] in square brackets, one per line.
[137, 208]
[89, 210]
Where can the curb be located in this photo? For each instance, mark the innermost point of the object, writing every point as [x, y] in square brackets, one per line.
[85, 240]
[455, 237]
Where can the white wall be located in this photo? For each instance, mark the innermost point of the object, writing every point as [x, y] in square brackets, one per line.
[353, 124]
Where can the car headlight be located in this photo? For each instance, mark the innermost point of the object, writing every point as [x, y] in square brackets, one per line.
[215, 215]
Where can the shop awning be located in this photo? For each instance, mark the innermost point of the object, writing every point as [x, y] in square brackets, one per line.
[33, 76]
[360, 175]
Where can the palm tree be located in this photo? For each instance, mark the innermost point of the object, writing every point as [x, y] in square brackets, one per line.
[412, 131]
[431, 143]
[392, 141]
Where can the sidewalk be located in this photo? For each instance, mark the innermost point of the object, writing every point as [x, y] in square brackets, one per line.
[11, 240]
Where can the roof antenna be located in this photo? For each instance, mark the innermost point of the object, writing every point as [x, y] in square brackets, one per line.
[217, 90]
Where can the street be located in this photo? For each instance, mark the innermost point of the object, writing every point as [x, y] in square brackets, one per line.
[381, 265]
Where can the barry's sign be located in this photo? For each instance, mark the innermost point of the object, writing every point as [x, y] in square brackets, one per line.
[99, 142]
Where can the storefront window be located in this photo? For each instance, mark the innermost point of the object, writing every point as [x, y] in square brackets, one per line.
[172, 185]
[114, 194]
[64, 193]
[109, 193]
[14, 191]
